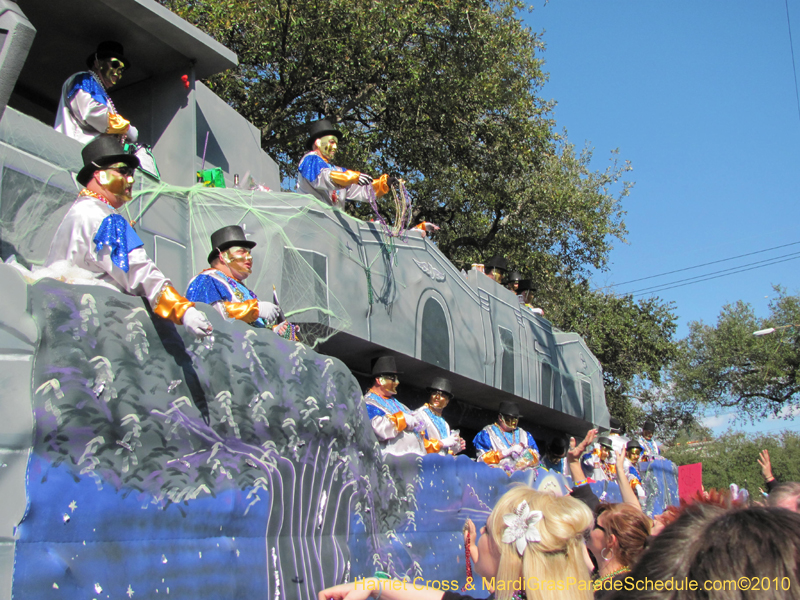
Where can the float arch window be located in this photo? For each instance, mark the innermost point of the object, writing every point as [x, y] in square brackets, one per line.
[547, 385]
[435, 335]
[588, 404]
[507, 364]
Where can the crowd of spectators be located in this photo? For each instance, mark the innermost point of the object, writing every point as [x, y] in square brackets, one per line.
[538, 545]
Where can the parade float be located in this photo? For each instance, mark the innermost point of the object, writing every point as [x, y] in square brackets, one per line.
[138, 461]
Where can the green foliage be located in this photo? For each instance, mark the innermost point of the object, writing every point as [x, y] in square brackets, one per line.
[442, 94]
[732, 458]
[725, 366]
[633, 340]
[675, 423]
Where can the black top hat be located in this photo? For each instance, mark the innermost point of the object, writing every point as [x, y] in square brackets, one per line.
[633, 444]
[558, 446]
[605, 441]
[525, 285]
[101, 152]
[108, 49]
[649, 426]
[509, 409]
[319, 129]
[384, 365]
[441, 384]
[514, 276]
[224, 238]
[496, 262]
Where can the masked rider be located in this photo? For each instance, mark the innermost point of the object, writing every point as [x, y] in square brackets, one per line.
[222, 285]
[94, 237]
[496, 268]
[650, 447]
[554, 458]
[85, 110]
[599, 465]
[436, 428]
[334, 185]
[503, 444]
[633, 452]
[397, 428]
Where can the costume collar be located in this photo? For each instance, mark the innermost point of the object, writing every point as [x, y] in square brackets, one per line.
[224, 275]
[372, 391]
[91, 194]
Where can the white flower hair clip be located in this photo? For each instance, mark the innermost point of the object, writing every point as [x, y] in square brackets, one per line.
[521, 527]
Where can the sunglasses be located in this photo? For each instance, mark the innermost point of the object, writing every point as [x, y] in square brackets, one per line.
[124, 171]
[116, 64]
[600, 527]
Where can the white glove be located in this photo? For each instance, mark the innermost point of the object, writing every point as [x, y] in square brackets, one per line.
[364, 179]
[514, 450]
[133, 133]
[267, 311]
[412, 421]
[450, 441]
[196, 323]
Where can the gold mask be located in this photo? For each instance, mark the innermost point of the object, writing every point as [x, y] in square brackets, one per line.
[438, 400]
[110, 70]
[239, 261]
[118, 179]
[328, 146]
[389, 383]
[510, 422]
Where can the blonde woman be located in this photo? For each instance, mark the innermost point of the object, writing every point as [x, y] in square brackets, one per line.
[531, 548]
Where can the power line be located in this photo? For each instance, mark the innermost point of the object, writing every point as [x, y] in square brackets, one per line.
[705, 275]
[791, 47]
[716, 276]
[713, 262]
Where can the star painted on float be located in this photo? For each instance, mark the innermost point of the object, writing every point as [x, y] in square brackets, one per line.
[73, 505]
[130, 592]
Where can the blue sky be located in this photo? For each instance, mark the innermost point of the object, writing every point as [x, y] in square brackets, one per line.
[700, 97]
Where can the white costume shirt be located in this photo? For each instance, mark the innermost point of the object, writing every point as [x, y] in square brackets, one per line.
[392, 440]
[85, 108]
[75, 242]
[436, 428]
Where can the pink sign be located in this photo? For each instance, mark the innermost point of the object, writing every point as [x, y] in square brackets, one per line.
[690, 480]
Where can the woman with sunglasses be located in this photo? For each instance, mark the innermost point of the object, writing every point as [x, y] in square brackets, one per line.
[530, 548]
[85, 109]
[619, 536]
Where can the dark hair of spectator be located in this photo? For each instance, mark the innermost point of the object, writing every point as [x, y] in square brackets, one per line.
[710, 544]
